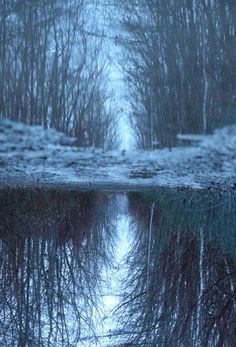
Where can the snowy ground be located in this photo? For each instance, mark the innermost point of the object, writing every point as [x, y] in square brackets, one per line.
[32, 156]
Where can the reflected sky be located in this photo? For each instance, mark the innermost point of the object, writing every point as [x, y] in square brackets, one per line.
[104, 269]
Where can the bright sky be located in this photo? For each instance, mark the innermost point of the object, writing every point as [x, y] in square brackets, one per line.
[106, 18]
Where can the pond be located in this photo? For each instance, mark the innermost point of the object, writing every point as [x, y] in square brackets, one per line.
[150, 268]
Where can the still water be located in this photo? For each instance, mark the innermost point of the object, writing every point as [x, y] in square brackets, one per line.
[115, 269]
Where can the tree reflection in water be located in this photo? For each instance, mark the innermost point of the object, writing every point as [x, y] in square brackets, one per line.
[180, 289]
[52, 248]
[181, 280]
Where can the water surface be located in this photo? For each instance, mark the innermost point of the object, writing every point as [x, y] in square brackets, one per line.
[115, 269]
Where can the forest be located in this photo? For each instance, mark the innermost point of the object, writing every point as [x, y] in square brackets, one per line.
[177, 62]
[117, 173]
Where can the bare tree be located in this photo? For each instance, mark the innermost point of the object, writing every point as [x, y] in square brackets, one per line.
[53, 68]
[180, 70]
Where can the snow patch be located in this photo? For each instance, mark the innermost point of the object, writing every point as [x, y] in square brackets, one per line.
[31, 155]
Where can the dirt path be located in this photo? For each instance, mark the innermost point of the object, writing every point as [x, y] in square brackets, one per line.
[32, 156]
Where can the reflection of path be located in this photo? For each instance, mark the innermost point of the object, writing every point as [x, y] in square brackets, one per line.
[114, 276]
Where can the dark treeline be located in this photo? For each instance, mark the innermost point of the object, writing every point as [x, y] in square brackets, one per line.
[180, 290]
[53, 246]
[53, 69]
[180, 67]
